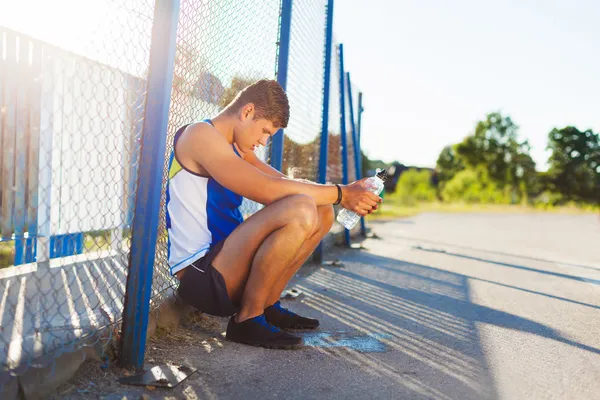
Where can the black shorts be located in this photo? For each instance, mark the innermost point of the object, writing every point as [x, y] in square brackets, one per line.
[203, 287]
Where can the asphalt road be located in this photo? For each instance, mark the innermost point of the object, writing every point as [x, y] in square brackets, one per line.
[440, 306]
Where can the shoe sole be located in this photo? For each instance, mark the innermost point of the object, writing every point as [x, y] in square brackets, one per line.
[270, 346]
[300, 328]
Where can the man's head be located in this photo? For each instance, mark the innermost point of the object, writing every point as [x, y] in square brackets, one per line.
[261, 109]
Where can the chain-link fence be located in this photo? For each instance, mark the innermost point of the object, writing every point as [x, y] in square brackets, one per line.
[221, 47]
[334, 157]
[305, 89]
[355, 91]
[71, 117]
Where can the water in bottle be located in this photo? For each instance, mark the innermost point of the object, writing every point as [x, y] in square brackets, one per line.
[349, 218]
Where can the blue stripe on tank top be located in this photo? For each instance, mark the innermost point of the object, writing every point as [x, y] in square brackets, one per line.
[222, 207]
[222, 210]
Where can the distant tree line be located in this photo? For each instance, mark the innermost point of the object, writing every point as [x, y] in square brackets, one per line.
[492, 165]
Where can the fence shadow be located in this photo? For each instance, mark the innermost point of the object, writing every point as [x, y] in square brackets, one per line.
[516, 266]
[47, 309]
[494, 252]
[423, 313]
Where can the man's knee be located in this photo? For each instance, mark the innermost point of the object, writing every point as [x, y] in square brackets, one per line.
[326, 217]
[303, 211]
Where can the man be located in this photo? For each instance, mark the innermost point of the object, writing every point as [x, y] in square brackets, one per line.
[230, 267]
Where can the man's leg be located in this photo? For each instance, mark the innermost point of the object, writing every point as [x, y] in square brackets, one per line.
[326, 216]
[258, 252]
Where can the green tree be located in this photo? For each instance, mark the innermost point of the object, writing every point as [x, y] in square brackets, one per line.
[415, 186]
[448, 164]
[575, 164]
[495, 147]
[474, 186]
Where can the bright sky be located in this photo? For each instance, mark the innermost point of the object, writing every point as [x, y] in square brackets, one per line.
[430, 69]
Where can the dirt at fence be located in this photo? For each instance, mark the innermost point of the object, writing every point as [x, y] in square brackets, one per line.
[97, 379]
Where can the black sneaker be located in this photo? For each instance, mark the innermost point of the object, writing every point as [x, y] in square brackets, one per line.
[258, 332]
[285, 319]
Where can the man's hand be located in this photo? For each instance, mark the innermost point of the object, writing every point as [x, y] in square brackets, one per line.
[357, 197]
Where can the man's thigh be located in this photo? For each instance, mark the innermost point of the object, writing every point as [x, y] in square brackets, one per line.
[235, 258]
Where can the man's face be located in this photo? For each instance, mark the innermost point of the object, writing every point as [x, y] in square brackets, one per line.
[253, 132]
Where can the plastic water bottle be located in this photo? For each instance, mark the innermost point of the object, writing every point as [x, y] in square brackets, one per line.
[349, 218]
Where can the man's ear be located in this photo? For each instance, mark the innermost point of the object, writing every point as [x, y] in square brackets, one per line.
[248, 111]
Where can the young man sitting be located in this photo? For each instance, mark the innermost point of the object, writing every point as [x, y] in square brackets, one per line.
[230, 267]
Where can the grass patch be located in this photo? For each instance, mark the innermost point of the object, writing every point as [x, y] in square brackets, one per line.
[393, 208]
[96, 242]
[7, 253]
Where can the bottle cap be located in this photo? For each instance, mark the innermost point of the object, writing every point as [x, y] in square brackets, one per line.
[382, 174]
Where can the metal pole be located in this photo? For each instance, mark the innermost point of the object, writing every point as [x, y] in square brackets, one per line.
[356, 142]
[363, 228]
[343, 132]
[324, 144]
[360, 111]
[282, 70]
[356, 146]
[149, 190]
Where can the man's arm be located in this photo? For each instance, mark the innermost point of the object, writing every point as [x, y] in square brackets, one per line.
[251, 158]
[203, 144]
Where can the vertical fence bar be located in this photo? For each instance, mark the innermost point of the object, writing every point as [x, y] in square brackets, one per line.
[35, 95]
[146, 217]
[45, 161]
[343, 131]
[3, 74]
[282, 70]
[324, 144]
[21, 134]
[8, 137]
[359, 119]
[356, 146]
[355, 140]
[363, 228]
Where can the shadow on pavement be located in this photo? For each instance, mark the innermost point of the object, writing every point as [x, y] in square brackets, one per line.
[521, 267]
[500, 253]
[423, 314]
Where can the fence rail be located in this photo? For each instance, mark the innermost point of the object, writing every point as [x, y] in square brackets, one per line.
[82, 232]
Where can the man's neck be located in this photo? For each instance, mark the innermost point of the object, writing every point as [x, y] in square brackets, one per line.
[224, 124]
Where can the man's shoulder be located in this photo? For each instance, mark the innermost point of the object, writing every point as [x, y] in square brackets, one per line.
[198, 132]
[199, 126]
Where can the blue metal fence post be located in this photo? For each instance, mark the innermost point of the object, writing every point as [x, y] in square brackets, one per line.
[282, 70]
[356, 142]
[343, 131]
[324, 143]
[363, 228]
[147, 205]
[355, 146]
